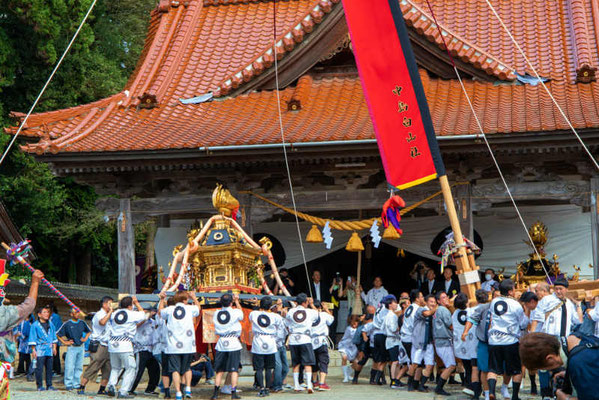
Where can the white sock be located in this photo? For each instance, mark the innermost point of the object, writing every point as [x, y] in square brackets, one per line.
[188, 388]
[179, 393]
[308, 379]
[296, 380]
[346, 371]
[486, 394]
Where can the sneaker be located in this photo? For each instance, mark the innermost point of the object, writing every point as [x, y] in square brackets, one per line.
[82, 391]
[442, 392]
[132, 393]
[51, 388]
[288, 387]
[110, 392]
[262, 393]
[345, 380]
[324, 387]
[505, 393]
[102, 393]
[310, 390]
[468, 391]
[235, 396]
[124, 396]
[210, 382]
[41, 389]
[299, 389]
[179, 396]
[187, 394]
[315, 385]
[154, 393]
[304, 385]
[226, 389]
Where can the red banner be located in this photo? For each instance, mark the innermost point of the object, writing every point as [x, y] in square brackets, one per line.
[393, 92]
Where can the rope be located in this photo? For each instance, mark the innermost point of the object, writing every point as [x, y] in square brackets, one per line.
[534, 70]
[484, 136]
[91, 7]
[343, 225]
[283, 142]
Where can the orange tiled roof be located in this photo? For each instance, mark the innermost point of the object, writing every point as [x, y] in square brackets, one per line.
[217, 45]
[559, 37]
[330, 109]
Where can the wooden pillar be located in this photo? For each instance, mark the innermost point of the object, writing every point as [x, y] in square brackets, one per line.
[249, 226]
[151, 234]
[595, 225]
[164, 221]
[126, 243]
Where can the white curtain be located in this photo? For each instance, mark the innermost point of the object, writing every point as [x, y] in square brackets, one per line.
[502, 233]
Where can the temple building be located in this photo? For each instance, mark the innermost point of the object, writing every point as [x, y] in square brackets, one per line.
[202, 107]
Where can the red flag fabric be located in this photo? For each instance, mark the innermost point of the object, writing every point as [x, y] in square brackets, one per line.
[393, 92]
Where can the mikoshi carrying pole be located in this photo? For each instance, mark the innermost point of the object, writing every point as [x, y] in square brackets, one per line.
[18, 252]
[399, 110]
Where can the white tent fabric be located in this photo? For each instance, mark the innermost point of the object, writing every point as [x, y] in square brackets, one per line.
[501, 231]
[504, 238]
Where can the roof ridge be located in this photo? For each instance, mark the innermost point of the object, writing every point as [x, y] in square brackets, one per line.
[179, 49]
[577, 21]
[285, 43]
[50, 117]
[466, 51]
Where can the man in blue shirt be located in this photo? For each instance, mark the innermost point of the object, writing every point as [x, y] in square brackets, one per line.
[73, 334]
[42, 339]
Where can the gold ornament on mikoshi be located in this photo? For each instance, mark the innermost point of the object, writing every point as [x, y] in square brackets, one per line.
[355, 243]
[314, 236]
[391, 233]
[224, 201]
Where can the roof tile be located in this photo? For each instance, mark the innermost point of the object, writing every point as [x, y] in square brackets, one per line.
[331, 109]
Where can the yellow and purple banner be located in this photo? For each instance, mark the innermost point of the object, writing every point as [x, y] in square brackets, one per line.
[393, 91]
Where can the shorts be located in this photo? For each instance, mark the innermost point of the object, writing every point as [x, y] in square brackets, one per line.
[99, 361]
[446, 355]
[393, 354]
[482, 357]
[227, 361]
[164, 364]
[380, 353]
[302, 354]
[263, 361]
[179, 363]
[408, 347]
[321, 355]
[420, 355]
[505, 359]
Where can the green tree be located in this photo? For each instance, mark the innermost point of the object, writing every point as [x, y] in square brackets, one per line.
[58, 214]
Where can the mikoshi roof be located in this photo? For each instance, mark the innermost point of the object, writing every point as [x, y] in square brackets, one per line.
[225, 46]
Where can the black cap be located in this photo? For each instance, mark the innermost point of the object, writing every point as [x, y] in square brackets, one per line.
[561, 282]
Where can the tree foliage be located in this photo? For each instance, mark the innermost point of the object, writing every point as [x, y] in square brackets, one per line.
[58, 214]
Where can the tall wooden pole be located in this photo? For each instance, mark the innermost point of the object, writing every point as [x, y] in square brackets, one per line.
[467, 274]
[357, 306]
[126, 247]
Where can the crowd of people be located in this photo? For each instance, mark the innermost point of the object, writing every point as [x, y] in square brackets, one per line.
[422, 341]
